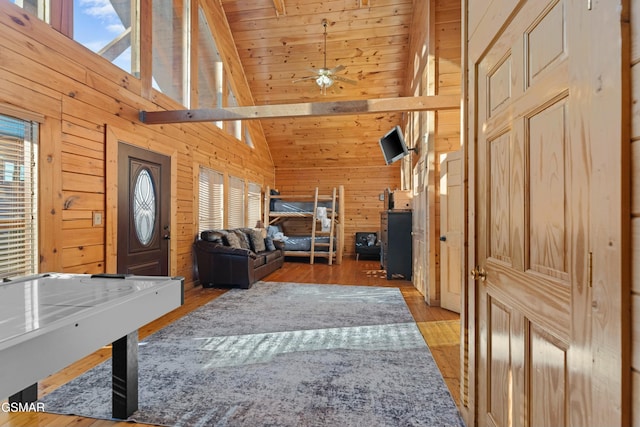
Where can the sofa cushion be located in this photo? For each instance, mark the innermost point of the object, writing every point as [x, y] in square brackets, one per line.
[270, 256]
[260, 260]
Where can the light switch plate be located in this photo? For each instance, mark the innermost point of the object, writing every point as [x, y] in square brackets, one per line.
[97, 219]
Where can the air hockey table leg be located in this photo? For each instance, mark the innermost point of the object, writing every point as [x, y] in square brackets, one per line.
[28, 395]
[125, 376]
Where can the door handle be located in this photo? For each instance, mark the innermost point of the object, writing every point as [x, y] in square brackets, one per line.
[167, 233]
[443, 238]
[479, 273]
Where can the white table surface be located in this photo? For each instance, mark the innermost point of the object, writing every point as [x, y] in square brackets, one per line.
[49, 322]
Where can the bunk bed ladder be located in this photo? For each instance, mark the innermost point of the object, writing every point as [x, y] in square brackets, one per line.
[314, 227]
[336, 227]
[332, 229]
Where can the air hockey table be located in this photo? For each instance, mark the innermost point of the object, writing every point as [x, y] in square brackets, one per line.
[50, 320]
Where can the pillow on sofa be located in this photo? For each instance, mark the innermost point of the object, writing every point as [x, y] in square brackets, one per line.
[214, 236]
[242, 237]
[233, 240]
[273, 230]
[256, 240]
[268, 243]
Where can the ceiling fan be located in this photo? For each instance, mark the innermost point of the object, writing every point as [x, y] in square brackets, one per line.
[325, 77]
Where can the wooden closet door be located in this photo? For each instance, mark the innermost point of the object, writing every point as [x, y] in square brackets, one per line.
[531, 209]
[451, 230]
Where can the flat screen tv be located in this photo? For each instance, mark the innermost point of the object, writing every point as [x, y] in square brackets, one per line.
[393, 145]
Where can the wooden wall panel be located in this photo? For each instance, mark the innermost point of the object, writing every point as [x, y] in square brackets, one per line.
[80, 95]
[448, 57]
[435, 45]
[635, 207]
[344, 150]
[362, 188]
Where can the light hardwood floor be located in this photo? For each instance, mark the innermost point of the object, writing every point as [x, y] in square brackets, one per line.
[441, 329]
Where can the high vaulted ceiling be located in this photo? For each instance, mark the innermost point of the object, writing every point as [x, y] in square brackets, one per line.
[275, 48]
[279, 41]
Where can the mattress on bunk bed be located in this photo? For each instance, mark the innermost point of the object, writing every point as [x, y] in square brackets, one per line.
[303, 243]
[284, 206]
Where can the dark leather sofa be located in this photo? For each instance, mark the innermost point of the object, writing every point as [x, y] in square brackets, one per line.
[227, 261]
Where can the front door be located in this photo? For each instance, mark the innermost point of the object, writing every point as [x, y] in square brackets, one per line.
[143, 211]
[451, 230]
[531, 214]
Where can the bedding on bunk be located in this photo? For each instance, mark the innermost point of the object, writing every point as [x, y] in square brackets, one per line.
[285, 206]
[297, 243]
[303, 243]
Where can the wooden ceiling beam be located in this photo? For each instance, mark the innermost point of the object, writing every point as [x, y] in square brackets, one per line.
[312, 109]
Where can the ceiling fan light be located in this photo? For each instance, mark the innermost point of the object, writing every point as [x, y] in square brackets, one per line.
[324, 81]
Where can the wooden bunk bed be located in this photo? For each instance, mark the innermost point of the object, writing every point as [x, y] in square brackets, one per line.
[298, 217]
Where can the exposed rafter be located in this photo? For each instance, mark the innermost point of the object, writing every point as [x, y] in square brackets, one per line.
[118, 45]
[365, 106]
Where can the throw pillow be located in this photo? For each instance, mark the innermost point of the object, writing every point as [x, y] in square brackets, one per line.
[214, 236]
[257, 241]
[273, 229]
[242, 237]
[268, 243]
[233, 240]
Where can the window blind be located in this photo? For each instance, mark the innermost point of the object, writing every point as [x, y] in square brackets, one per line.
[253, 205]
[18, 197]
[236, 203]
[211, 200]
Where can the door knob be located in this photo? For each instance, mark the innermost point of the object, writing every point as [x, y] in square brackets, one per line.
[479, 273]
[443, 238]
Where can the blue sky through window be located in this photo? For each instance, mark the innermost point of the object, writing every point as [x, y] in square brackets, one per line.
[96, 24]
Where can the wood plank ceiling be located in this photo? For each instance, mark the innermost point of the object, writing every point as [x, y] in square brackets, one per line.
[279, 41]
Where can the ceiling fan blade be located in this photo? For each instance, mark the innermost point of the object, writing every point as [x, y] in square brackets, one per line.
[305, 78]
[337, 69]
[344, 79]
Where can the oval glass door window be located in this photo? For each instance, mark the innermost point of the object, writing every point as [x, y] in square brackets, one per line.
[144, 207]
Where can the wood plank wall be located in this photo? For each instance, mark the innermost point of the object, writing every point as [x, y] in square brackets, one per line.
[448, 51]
[362, 186]
[306, 161]
[635, 208]
[448, 45]
[437, 72]
[355, 160]
[81, 95]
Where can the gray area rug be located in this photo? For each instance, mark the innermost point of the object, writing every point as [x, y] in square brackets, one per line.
[281, 354]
